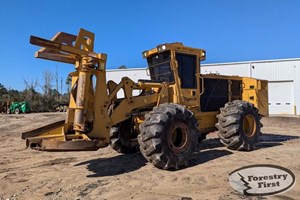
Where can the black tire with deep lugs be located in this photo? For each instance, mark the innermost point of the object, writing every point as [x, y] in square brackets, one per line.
[169, 136]
[123, 139]
[239, 125]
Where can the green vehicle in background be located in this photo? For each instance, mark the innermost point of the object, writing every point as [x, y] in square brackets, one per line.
[18, 107]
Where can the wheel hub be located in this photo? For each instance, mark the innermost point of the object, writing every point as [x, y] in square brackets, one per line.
[249, 125]
[178, 137]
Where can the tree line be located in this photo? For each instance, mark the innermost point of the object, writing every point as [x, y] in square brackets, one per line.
[43, 97]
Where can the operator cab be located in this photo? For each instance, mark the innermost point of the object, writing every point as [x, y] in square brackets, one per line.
[177, 64]
[160, 63]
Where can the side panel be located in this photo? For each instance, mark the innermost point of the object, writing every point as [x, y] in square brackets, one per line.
[215, 94]
[218, 91]
[256, 92]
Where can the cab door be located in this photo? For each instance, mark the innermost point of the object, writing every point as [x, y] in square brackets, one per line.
[187, 71]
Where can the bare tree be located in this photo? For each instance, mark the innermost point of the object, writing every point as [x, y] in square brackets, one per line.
[30, 88]
[61, 86]
[56, 81]
[48, 77]
[68, 83]
[31, 84]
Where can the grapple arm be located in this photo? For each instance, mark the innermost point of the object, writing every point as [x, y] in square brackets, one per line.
[71, 134]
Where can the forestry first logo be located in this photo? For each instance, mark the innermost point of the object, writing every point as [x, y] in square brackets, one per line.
[261, 180]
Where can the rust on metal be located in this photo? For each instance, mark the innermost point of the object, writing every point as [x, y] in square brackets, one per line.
[178, 137]
[58, 145]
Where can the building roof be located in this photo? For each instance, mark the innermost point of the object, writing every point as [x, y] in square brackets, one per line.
[214, 64]
[252, 61]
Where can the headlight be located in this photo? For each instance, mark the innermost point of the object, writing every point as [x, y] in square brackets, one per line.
[145, 54]
[203, 54]
[161, 48]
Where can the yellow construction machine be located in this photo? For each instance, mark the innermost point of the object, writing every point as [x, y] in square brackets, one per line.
[169, 117]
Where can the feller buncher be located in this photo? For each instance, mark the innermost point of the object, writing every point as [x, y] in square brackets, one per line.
[173, 112]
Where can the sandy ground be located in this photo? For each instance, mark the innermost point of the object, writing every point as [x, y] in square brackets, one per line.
[105, 174]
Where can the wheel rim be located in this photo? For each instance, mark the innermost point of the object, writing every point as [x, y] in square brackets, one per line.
[178, 137]
[249, 125]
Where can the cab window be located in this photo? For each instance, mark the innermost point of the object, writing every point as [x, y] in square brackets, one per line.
[187, 70]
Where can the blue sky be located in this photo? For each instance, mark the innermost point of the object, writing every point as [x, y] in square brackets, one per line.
[232, 30]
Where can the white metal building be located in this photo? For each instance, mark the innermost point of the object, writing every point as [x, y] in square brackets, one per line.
[283, 76]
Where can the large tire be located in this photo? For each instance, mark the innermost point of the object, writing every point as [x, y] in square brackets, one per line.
[239, 125]
[123, 139]
[169, 136]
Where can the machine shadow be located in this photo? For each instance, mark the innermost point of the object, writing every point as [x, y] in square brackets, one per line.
[122, 163]
[114, 165]
[266, 140]
[210, 143]
[271, 140]
[208, 155]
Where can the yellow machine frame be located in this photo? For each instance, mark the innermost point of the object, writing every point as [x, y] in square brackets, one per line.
[91, 112]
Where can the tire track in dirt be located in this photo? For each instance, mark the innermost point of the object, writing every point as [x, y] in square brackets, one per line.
[105, 174]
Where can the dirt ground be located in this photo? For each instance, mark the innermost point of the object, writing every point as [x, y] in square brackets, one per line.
[105, 174]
